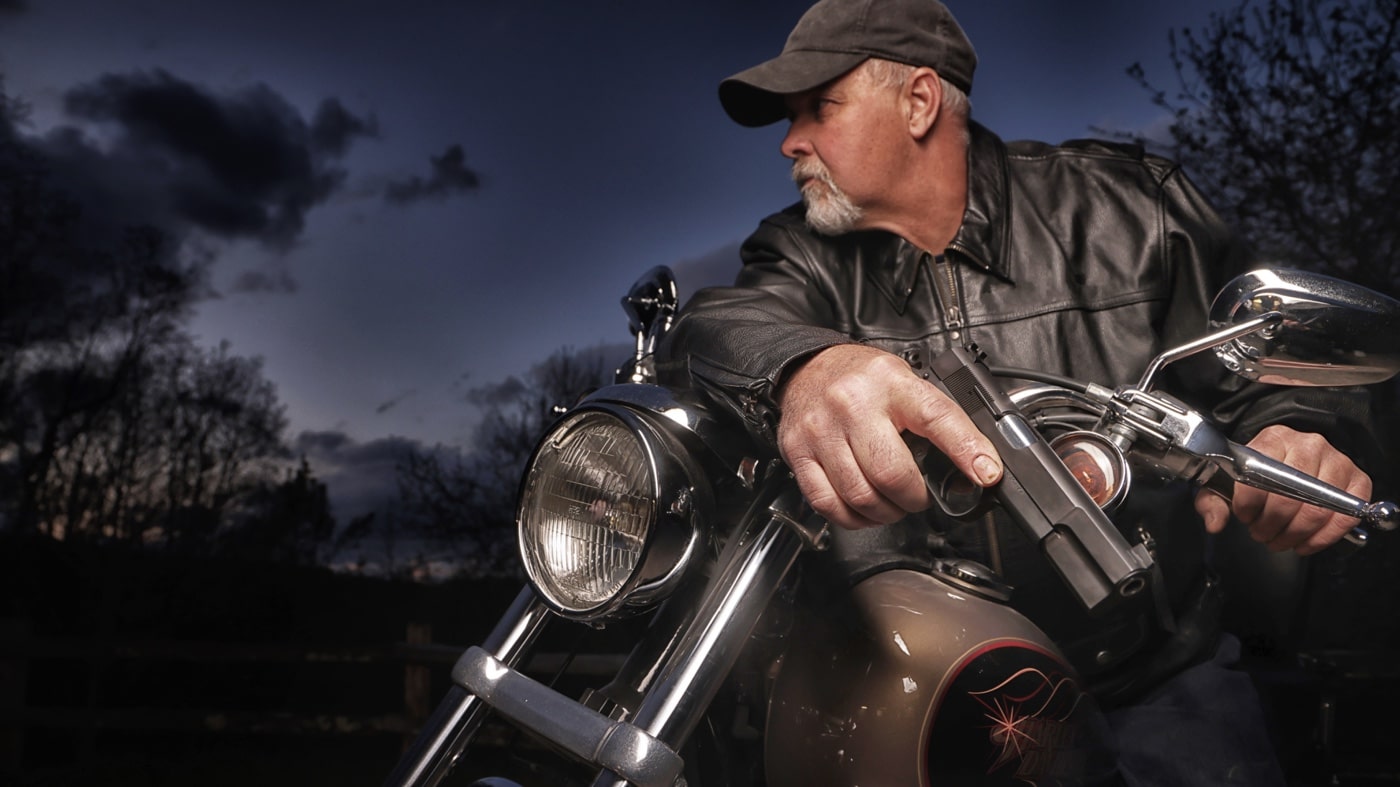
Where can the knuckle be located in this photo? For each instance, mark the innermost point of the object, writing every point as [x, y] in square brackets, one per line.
[947, 420]
[1309, 440]
[1361, 486]
[893, 476]
[864, 498]
[884, 364]
[845, 392]
[803, 465]
[1310, 518]
[826, 505]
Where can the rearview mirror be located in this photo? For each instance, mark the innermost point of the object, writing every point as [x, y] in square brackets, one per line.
[1328, 331]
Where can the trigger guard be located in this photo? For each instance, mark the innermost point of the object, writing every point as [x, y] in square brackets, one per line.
[955, 494]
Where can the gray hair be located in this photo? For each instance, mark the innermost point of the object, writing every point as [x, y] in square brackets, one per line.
[891, 74]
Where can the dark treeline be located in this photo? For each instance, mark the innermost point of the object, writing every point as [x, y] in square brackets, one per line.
[461, 502]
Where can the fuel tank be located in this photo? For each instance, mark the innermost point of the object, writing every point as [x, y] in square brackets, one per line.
[920, 679]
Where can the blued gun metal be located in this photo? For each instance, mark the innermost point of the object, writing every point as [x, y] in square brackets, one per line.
[1040, 494]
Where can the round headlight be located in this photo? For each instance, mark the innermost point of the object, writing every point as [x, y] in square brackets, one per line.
[588, 508]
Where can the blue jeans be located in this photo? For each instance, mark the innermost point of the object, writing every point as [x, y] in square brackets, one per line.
[1203, 727]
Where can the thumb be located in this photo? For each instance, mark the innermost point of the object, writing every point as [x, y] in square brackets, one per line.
[1214, 510]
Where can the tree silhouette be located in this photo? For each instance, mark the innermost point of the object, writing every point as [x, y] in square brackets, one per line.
[1286, 114]
[462, 503]
[114, 426]
[287, 523]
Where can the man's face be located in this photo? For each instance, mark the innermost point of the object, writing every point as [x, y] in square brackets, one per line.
[840, 142]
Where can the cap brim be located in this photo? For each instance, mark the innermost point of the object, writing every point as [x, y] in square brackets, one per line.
[755, 97]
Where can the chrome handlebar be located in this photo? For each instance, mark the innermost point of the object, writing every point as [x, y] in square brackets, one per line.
[1177, 442]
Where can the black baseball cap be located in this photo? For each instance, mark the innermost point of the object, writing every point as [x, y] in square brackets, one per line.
[835, 36]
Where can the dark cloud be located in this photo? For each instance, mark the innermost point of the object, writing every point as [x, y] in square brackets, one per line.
[392, 403]
[451, 175]
[502, 392]
[318, 443]
[360, 477]
[265, 281]
[243, 164]
[515, 390]
[339, 450]
[112, 190]
[13, 6]
[334, 127]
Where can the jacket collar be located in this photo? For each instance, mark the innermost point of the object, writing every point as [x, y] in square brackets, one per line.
[982, 238]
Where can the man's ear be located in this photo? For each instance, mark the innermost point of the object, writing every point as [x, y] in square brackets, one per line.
[923, 97]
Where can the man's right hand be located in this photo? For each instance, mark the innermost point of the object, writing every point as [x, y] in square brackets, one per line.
[843, 415]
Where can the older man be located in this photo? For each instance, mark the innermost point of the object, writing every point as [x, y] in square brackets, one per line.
[919, 229]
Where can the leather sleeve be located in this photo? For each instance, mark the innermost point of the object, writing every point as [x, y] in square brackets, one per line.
[737, 342]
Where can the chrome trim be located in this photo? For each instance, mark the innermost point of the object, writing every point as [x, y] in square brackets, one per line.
[654, 399]
[1032, 399]
[676, 529]
[713, 442]
[441, 741]
[1208, 342]
[619, 747]
[752, 568]
[1332, 332]
[753, 565]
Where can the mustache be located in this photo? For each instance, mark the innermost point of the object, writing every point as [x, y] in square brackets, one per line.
[811, 169]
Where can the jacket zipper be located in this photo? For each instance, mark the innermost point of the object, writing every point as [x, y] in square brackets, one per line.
[946, 287]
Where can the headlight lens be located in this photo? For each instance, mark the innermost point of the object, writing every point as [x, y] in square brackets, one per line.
[587, 511]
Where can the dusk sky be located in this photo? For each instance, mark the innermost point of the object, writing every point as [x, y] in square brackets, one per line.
[409, 199]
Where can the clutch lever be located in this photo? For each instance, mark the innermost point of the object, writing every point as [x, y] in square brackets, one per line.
[1234, 463]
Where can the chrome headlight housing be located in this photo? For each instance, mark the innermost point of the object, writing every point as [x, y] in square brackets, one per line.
[607, 513]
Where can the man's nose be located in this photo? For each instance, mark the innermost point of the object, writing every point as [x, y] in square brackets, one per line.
[795, 143]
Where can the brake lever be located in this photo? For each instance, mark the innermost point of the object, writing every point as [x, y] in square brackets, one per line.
[1226, 460]
[1242, 464]
[1197, 451]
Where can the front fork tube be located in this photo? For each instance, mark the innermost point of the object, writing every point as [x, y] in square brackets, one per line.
[752, 567]
[679, 678]
[441, 741]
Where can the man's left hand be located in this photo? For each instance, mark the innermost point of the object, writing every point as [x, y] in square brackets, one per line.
[1282, 522]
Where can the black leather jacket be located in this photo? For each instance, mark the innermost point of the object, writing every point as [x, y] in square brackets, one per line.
[1084, 259]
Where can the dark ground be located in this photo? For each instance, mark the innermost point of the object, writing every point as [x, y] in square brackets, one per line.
[1321, 639]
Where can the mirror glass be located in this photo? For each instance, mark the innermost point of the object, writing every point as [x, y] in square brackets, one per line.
[1332, 332]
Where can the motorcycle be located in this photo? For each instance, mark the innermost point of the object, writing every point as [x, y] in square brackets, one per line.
[644, 500]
